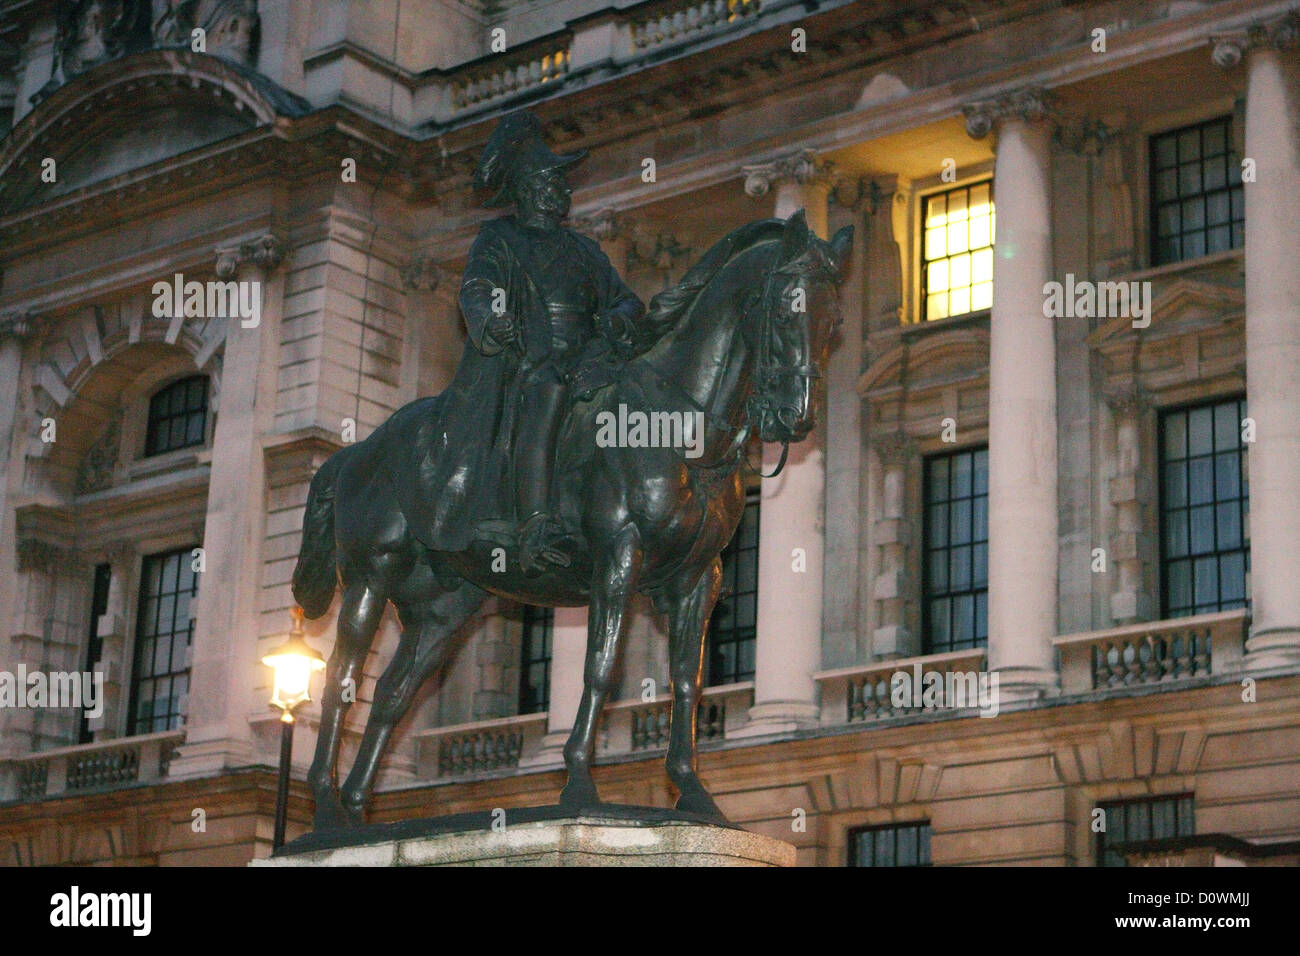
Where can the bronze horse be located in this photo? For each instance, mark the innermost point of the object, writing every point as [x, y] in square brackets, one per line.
[749, 328]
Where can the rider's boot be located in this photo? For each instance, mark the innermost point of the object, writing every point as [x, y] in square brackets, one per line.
[542, 538]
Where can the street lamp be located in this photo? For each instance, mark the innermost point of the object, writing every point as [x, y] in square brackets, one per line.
[293, 663]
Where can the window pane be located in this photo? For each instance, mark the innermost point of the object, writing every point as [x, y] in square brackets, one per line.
[961, 569]
[1176, 535]
[1228, 525]
[1200, 480]
[1201, 522]
[1191, 171]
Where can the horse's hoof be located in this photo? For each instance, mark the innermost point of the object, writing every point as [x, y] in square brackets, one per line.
[701, 804]
[579, 795]
[330, 818]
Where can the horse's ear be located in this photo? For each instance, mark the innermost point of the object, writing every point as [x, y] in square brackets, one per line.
[794, 238]
[840, 245]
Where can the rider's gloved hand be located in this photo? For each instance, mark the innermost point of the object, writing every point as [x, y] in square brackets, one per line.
[502, 330]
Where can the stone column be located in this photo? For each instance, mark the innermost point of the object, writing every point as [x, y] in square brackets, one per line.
[224, 656]
[1129, 546]
[15, 329]
[433, 343]
[568, 660]
[891, 638]
[792, 512]
[1272, 333]
[1023, 538]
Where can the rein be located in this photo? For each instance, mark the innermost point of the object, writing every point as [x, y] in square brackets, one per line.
[764, 372]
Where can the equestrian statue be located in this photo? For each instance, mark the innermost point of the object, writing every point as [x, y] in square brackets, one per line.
[499, 485]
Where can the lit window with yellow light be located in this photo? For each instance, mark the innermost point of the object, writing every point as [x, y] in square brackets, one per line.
[957, 257]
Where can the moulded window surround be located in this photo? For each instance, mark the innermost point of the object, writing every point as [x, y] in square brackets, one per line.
[135, 400]
[955, 551]
[1204, 497]
[1144, 196]
[1144, 818]
[923, 251]
[891, 845]
[178, 416]
[1196, 192]
[163, 645]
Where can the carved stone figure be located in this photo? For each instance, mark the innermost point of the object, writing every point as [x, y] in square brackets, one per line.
[90, 32]
[421, 512]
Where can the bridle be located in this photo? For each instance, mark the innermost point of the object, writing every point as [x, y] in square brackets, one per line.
[768, 372]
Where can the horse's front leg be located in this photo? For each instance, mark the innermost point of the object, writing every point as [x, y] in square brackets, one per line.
[688, 618]
[617, 572]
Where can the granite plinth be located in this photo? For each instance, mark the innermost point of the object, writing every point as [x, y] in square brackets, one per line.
[541, 836]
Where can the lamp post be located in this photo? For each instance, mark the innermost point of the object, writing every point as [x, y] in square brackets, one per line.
[293, 663]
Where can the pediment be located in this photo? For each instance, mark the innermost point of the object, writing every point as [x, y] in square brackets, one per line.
[1179, 306]
[129, 114]
[936, 360]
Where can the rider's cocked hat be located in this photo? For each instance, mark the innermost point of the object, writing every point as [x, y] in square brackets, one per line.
[515, 150]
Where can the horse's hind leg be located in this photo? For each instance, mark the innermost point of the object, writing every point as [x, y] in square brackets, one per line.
[359, 617]
[427, 628]
[688, 616]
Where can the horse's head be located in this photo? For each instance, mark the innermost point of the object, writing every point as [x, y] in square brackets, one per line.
[796, 318]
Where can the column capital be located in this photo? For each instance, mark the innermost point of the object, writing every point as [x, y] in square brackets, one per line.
[1085, 136]
[1126, 399]
[266, 251]
[894, 449]
[1280, 33]
[802, 166]
[1030, 104]
[869, 194]
[20, 324]
[424, 274]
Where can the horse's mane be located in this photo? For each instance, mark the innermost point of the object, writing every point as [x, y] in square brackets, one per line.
[668, 306]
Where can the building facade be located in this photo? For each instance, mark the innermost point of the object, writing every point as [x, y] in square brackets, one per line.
[1026, 596]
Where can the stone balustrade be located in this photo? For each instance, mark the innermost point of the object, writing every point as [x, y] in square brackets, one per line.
[620, 39]
[633, 726]
[499, 79]
[858, 694]
[1157, 652]
[482, 746]
[688, 21]
[88, 768]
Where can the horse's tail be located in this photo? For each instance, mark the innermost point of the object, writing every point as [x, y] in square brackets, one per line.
[316, 576]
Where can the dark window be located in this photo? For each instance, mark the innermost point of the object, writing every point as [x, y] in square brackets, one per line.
[1131, 821]
[733, 627]
[957, 252]
[160, 679]
[905, 844]
[1204, 509]
[178, 416]
[95, 643]
[1197, 205]
[535, 660]
[956, 573]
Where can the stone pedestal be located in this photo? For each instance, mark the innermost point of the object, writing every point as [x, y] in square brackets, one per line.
[545, 836]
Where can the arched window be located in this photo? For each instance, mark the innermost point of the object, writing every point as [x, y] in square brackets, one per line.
[178, 416]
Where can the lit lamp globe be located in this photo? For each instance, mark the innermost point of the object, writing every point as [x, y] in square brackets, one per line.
[293, 663]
